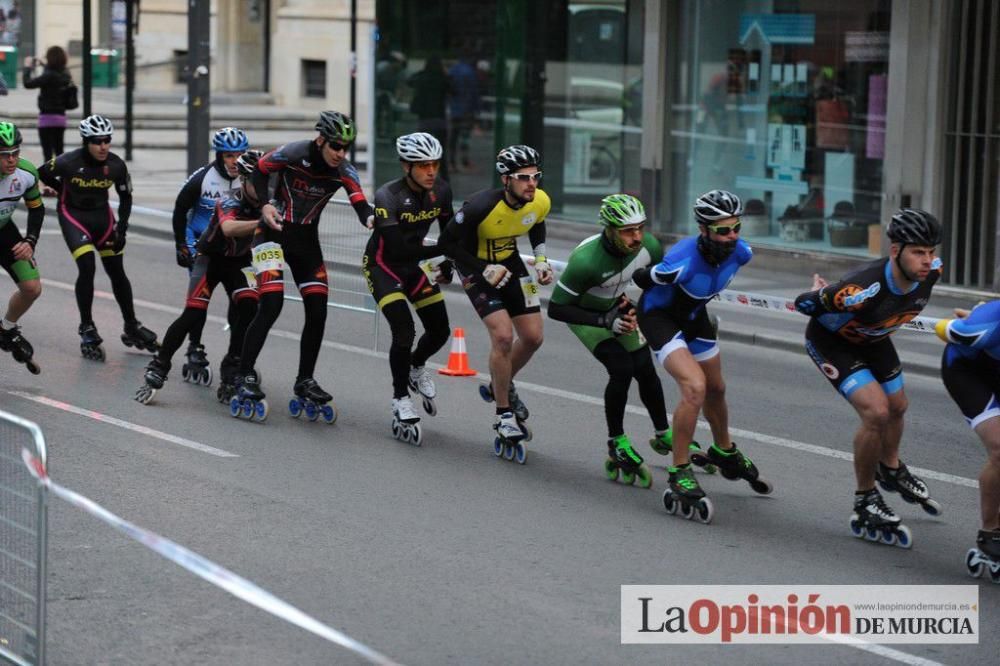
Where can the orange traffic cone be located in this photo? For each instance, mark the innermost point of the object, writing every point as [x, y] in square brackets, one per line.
[458, 360]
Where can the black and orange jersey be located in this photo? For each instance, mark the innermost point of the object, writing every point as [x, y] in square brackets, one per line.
[867, 305]
[402, 219]
[213, 242]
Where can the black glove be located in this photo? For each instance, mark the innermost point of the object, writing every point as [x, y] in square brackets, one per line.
[184, 258]
[119, 243]
[643, 278]
[31, 240]
[447, 270]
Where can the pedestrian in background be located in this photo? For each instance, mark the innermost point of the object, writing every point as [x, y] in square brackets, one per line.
[56, 94]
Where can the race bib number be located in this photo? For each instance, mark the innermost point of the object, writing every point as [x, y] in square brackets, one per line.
[530, 289]
[268, 257]
[250, 275]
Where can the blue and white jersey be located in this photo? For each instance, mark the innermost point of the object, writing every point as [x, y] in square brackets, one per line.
[685, 281]
[976, 335]
[196, 202]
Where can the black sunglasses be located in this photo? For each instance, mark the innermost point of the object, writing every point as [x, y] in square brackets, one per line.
[338, 146]
[99, 141]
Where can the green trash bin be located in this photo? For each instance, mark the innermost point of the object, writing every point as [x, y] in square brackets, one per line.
[9, 66]
[104, 66]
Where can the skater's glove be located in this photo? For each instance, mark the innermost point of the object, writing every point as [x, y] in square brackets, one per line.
[643, 278]
[497, 275]
[184, 258]
[119, 243]
[443, 272]
[543, 270]
[619, 322]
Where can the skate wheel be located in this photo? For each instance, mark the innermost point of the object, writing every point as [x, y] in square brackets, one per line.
[610, 470]
[397, 432]
[687, 511]
[973, 564]
[761, 487]
[186, 373]
[311, 412]
[705, 511]
[485, 393]
[520, 453]
[628, 478]
[248, 408]
[497, 447]
[294, 408]
[669, 503]
[235, 407]
[855, 526]
[33, 367]
[144, 394]
[430, 407]
[994, 571]
[887, 536]
[932, 507]
[644, 478]
[260, 411]
[416, 435]
[405, 433]
[329, 413]
[904, 538]
[873, 534]
[206, 377]
[508, 451]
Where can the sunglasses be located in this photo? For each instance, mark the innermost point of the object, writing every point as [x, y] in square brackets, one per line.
[336, 147]
[725, 229]
[100, 141]
[10, 154]
[525, 177]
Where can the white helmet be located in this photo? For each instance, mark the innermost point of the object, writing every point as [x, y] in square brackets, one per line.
[418, 147]
[96, 126]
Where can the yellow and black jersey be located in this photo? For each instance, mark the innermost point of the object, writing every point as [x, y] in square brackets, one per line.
[485, 230]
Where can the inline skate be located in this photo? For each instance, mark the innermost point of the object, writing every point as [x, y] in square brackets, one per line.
[516, 404]
[625, 465]
[228, 370]
[685, 495]
[90, 342]
[664, 445]
[874, 521]
[138, 336]
[421, 382]
[12, 341]
[911, 488]
[985, 557]
[312, 401]
[406, 421]
[733, 465]
[249, 402]
[197, 370]
[511, 435]
[155, 377]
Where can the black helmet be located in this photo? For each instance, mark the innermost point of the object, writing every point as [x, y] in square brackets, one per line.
[717, 205]
[916, 227]
[247, 162]
[336, 126]
[512, 158]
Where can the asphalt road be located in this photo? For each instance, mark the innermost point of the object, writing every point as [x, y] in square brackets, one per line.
[443, 554]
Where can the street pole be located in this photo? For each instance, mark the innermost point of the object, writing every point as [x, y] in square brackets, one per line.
[88, 75]
[199, 92]
[129, 74]
[354, 74]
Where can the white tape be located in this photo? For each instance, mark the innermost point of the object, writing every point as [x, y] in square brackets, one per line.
[204, 568]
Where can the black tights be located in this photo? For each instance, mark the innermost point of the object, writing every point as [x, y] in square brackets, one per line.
[622, 366]
[434, 317]
[114, 266]
[51, 139]
[241, 314]
[312, 331]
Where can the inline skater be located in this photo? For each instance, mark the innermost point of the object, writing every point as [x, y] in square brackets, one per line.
[591, 297]
[970, 368]
[848, 340]
[82, 179]
[195, 205]
[405, 209]
[222, 257]
[297, 180]
[18, 180]
[482, 241]
[673, 317]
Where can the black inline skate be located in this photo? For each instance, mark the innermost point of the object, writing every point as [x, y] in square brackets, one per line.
[138, 336]
[512, 433]
[664, 445]
[155, 377]
[516, 404]
[421, 381]
[685, 495]
[985, 557]
[874, 521]
[90, 342]
[12, 341]
[312, 401]
[911, 488]
[228, 370]
[625, 465]
[406, 421]
[249, 402]
[733, 465]
[197, 370]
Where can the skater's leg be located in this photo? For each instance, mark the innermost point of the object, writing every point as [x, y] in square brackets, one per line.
[530, 334]
[267, 313]
[244, 308]
[397, 313]
[872, 405]
[690, 378]
[174, 337]
[314, 305]
[650, 388]
[716, 409]
[86, 267]
[989, 478]
[20, 301]
[618, 363]
[114, 266]
[434, 318]
[501, 331]
[894, 428]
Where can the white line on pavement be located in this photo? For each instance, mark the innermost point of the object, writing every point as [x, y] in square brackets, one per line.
[110, 420]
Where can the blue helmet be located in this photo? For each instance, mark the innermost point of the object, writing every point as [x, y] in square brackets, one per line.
[230, 140]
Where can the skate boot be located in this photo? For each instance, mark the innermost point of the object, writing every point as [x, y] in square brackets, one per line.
[138, 336]
[686, 495]
[516, 404]
[228, 369]
[873, 520]
[625, 465]
[249, 401]
[664, 445]
[156, 375]
[197, 369]
[90, 342]
[406, 421]
[733, 465]
[312, 401]
[985, 557]
[511, 435]
[422, 383]
[911, 488]
[12, 341]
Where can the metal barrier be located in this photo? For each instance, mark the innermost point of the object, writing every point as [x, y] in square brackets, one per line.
[23, 548]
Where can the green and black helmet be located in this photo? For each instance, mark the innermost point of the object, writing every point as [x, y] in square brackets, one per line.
[621, 210]
[336, 126]
[10, 136]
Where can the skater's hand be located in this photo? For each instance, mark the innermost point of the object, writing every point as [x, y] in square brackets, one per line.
[184, 258]
[23, 251]
[269, 215]
[960, 313]
[497, 275]
[370, 222]
[620, 321]
[819, 282]
[543, 270]
[119, 241]
[443, 272]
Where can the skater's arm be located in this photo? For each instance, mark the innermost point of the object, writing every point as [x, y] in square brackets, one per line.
[49, 173]
[824, 299]
[187, 199]
[123, 187]
[980, 329]
[355, 195]
[458, 236]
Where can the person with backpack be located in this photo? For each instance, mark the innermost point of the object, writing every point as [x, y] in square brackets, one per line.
[57, 94]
